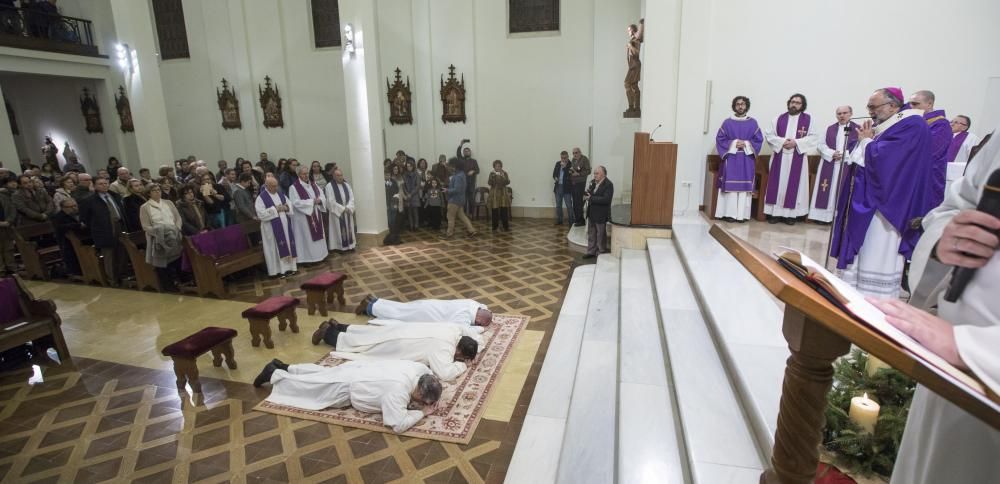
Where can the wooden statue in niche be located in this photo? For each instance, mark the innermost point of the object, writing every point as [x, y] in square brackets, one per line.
[13, 119]
[124, 111]
[229, 105]
[399, 100]
[453, 97]
[91, 113]
[270, 102]
[634, 73]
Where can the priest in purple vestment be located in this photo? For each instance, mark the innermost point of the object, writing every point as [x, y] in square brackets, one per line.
[877, 224]
[940, 140]
[831, 151]
[277, 237]
[791, 136]
[962, 140]
[738, 141]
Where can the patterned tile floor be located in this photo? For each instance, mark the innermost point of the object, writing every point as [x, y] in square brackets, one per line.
[93, 420]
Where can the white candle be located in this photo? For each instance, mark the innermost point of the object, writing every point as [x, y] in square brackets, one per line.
[874, 364]
[864, 412]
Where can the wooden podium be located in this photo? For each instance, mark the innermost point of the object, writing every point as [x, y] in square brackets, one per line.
[654, 168]
[817, 334]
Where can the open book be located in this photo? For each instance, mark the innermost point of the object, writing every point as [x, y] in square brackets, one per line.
[853, 302]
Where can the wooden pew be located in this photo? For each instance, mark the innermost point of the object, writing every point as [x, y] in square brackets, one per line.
[42, 322]
[145, 273]
[36, 259]
[209, 271]
[711, 196]
[91, 267]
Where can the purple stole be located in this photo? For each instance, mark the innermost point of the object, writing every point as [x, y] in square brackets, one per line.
[314, 220]
[826, 167]
[771, 197]
[956, 144]
[286, 246]
[346, 229]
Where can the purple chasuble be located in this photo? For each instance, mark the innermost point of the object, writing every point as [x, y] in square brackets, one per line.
[774, 180]
[346, 227]
[940, 141]
[897, 168]
[286, 246]
[736, 172]
[826, 167]
[315, 221]
[956, 144]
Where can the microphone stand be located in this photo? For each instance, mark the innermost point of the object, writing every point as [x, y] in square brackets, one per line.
[836, 204]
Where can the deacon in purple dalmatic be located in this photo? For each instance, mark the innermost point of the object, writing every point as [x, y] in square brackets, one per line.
[791, 136]
[940, 130]
[738, 141]
[877, 224]
[277, 236]
[831, 151]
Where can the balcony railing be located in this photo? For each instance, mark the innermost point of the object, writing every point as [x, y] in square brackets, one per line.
[31, 28]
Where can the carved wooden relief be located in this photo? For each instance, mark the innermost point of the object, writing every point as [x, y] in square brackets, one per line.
[91, 113]
[453, 97]
[13, 119]
[229, 105]
[170, 29]
[124, 111]
[399, 100]
[533, 16]
[270, 102]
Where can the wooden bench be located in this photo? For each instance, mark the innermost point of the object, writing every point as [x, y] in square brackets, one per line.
[185, 354]
[145, 273]
[321, 290]
[24, 318]
[260, 316]
[91, 267]
[209, 271]
[36, 259]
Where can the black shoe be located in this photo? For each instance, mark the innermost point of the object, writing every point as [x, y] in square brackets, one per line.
[788, 221]
[589, 256]
[320, 332]
[265, 375]
[772, 220]
[281, 365]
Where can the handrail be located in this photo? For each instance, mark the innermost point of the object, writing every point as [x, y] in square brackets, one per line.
[36, 29]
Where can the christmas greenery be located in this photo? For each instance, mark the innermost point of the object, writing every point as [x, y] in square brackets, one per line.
[857, 451]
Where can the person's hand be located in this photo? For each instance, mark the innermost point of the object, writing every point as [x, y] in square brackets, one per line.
[470, 172]
[867, 130]
[429, 409]
[317, 201]
[837, 156]
[465, 141]
[740, 145]
[788, 144]
[929, 330]
[969, 240]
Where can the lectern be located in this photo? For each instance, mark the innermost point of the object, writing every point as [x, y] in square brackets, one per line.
[818, 333]
[654, 167]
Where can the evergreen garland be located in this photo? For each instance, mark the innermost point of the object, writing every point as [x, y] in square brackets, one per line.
[859, 452]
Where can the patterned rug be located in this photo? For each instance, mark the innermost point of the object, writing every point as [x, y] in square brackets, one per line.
[462, 401]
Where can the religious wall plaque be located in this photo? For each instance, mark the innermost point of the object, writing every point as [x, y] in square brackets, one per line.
[124, 111]
[91, 113]
[399, 100]
[229, 105]
[270, 102]
[13, 119]
[453, 97]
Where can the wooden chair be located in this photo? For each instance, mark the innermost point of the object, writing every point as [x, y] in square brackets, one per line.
[482, 201]
[145, 273]
[36, 257]
[24, 318]
[90, 261]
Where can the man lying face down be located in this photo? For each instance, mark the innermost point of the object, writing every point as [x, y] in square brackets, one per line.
[457, 311]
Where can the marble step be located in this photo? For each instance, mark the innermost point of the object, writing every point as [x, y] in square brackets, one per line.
[536, 455]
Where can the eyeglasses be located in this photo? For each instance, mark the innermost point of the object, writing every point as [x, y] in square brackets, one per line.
[872, 108]
[959, 123]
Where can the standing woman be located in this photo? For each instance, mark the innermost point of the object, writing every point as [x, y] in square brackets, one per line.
[65, 190]
[161, 222]
[317, 176]
[193, 218]
[134, 201]
[499, 199]
[412, 187]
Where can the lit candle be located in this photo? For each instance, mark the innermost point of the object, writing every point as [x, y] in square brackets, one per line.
[864, 412]
[874, 365]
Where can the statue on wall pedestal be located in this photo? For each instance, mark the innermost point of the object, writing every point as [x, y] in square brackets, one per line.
[270, 102]
[453, 97]
[91, 113]
[634, 69]
[124, 111]
[229, 105]
[399, 100]
[49, 151]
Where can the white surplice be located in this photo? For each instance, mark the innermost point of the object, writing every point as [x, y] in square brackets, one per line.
[376, 386]
[826, 154]
[459, 311]
[339, 212]
[735, 204]
[434, 347]
[963, 151]
[943, 443]
[308, 250]
[275, 263]
[803, 145]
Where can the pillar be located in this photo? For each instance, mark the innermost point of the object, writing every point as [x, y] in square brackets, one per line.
[8, 150]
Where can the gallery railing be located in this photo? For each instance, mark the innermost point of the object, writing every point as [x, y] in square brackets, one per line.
[30, 28]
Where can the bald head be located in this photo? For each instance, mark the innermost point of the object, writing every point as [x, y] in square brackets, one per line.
[922, 100]
[272, 184]
[338, 175]
[303, 172]
[124, 174]
[844, 114]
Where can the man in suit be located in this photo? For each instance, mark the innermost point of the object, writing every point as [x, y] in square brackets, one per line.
[243, 199]
[67, 219]
[563, 187]
[598, 197]
[104, 214]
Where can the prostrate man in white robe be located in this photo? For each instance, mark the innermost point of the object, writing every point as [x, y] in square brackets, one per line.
[340, 200]
[831, 151]
[459, 311]
[308, 209]
[943, 443]
[278, 239]
[791, 136]
[962, 140]
[402, 391]
[442, 347]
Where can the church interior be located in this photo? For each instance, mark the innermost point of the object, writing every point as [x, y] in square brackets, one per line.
[672, 330]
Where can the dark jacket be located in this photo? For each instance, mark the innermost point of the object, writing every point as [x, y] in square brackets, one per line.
[599, 207]
[95, 214]
[63, 224]
[566, 177]
[132, 204]
[32, 206]
[245, 211]
[193, 217]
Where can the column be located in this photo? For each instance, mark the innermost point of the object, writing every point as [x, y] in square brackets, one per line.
[8, 150]
[660, 53]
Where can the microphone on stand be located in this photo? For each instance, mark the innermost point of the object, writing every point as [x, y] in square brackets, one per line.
[862, 117]
[989, 203]
[654, 132]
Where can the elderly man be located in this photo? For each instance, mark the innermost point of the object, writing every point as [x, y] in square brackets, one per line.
[84, 187]
[738, 141]
[8, 215]
[579, 171]
[33, 204]
[340, 199]
[875, 230]
[458, 311]
[598, 198]
[308, 210]
[104, 214]
[941, 136]
[443, 347]
[402, 391]
[962, 140]
[791, 135]
[120, 185]
[841, 137]
[277, 236]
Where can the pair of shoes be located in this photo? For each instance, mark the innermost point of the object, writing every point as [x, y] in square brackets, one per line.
[772, 220]
[265, 375]
[788, 221]
[320, 332]
[589, 256]
[281, 365]
[363, 305]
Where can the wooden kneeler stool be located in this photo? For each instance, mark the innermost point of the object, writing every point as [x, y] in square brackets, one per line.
[185, 354]
[260, 318]
[321, 289]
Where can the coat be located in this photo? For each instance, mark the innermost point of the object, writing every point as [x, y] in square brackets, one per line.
[163, 242]
[498, 189]
[95, 215]
[32, 206]
[132, 204]
[599, 206]
[193, 218]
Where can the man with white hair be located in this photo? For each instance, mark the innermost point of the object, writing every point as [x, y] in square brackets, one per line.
[340, 200]
[308, 209]
[962, 140]
[841, 137]
[277, 237]
[120, 185]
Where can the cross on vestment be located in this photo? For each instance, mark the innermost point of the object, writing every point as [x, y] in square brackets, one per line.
[825, 185]
[802, 132]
